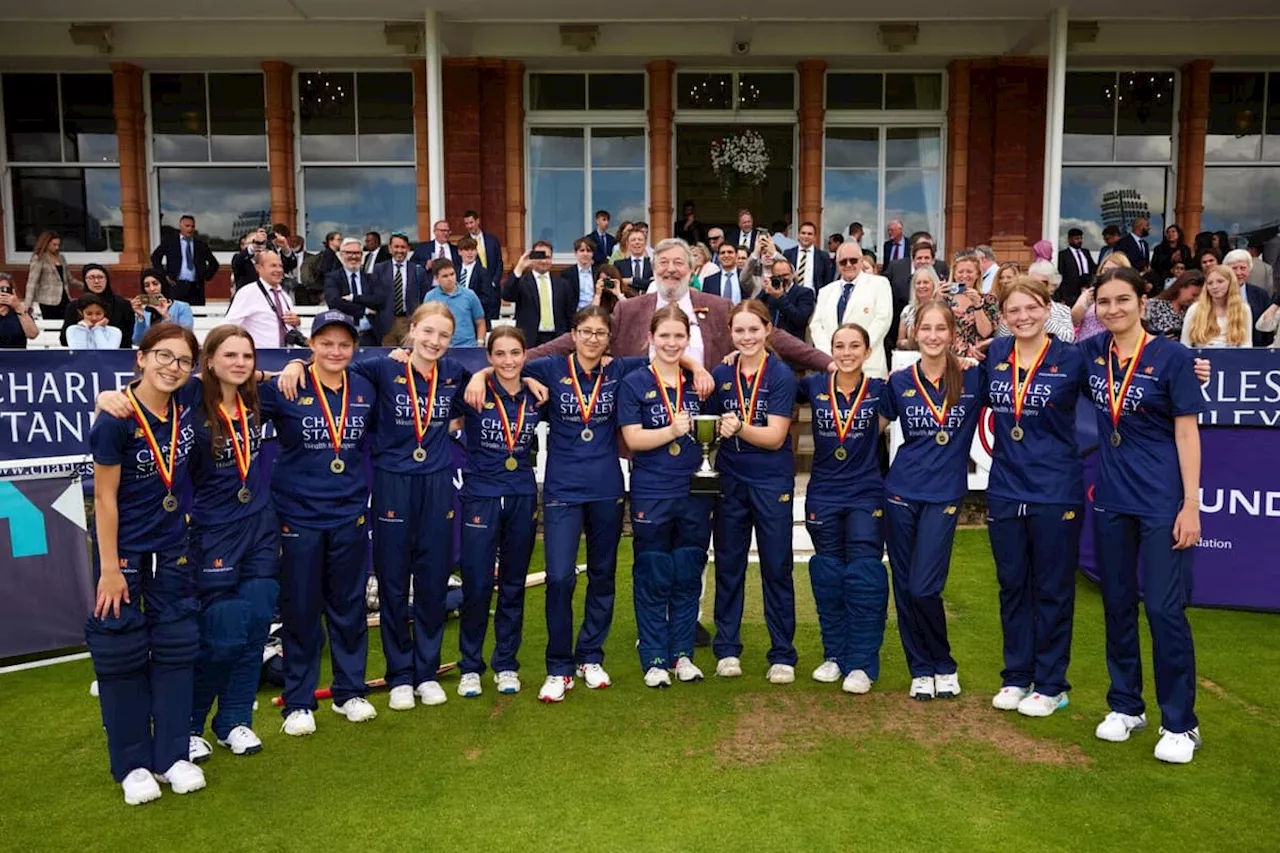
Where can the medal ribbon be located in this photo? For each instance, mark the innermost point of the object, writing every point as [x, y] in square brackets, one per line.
[586, 407]
[939, 412]
[748, 414]
[335, 427]
[1020, 391]
[1114, 402]
[508, 435]
[166, 474]
[662, 392]
[241, 454]
[843, 427]
[419, 428]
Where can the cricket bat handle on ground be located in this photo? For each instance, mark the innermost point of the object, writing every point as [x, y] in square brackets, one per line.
[376, 684]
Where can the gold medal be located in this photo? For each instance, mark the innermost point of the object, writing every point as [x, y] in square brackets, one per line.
[337, 466]
[1115, 439]
[170, 503]
[419, 455]
[1016, 433]
[844, 425]
[242, 455]
[939, 413]
[511, 464]
[334, 425]
[587, 434]
[509, 436]
[244, 495]
[1115, 402]
[674, 448]
[586, 407]
[942, 439]
[1020, 389]
[420, 428]
[841, 454]
[166, 471]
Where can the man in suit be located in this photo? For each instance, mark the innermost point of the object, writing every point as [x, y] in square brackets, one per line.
[899, 274]
[488, 249]
[353, 292]
[727, 283]
[635, 266]
[471, 274]
[329, 260]
[789, 303]
[1134, 244]
[404, 283]
[1110, 239]
[855, 297]
[374, 252]
[544, 306]
[812, 266]
[895, 248]
[1241, 263]
[243, 270]
[437, 247]
[604, 242]
[745, 234]
[186, 260]
[581, 275]
[687, 227]
[1077, 268]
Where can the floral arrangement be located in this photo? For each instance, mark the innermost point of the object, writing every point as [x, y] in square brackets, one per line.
[741, 159]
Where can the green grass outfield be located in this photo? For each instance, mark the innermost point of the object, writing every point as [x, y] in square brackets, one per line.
[734, 766]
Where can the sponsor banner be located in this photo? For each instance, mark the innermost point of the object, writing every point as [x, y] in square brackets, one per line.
[1244, 390]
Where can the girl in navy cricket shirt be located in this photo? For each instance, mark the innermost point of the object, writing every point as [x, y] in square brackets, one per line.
[844, 509]
[756, 395]
[937, 402]
[499, 513]
[671, 528]
[1146, 508]
[145, 656]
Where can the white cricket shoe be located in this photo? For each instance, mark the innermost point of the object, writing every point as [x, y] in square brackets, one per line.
[857, 681]
[921, 688]
[827, 673]
[198, 750]
[1117, 727]
[594, 676]
[1008, 698]
[781, 673]
[729, 668]
[686, 670]
[431, 693]
[554, 688]
[657, 676]
[508, 682]
[299, 723]
[469, 687]
[241, 740]
[1041, 704]
[946, 686]
[182, 777]
[1178, 747]
[401, 698]
[356, 709]
[140, 787]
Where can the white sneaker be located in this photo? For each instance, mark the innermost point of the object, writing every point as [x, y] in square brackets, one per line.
[946, 686]
[508, 682]
[594, 676]
[554, 688]
[431, 693]
[198, 750]
[356, 709]
[729, 668]
[182, 777]
[1008, 698]
[241, 740]
[1117, 727]
[299, 723]
[686, 670]
[140, 787]
[781, 673]
[469, 687]
[1042, 705]
[828, 673]
[1178, 748]
[921, 688]
[656, 676]
[856, 681]
[401, 698]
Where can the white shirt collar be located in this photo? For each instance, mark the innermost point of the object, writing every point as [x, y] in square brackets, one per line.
[686, 305]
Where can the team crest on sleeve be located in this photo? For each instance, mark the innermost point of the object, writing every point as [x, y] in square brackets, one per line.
[651, 395]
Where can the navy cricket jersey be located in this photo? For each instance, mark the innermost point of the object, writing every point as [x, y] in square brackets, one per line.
[214, 476]
[485, 474]
[304, 489]
[582, 471]
[1045, 467]
[656, 474]
[755, 466]
[144, 525]
[394, 438]
[854, 481]
[1141, 476]
[924, 470]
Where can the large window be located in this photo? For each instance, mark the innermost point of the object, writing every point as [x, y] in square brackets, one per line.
[875, 174]
[356, 144]
[209, 151]
[61, 160]
[1242, 156]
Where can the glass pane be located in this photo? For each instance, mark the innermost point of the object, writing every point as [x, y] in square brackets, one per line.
[88, 118]
[767, 91]
[355, 200]
[178, 121]
[912, 196]
[1241, 201]
[857, 147]
[386, 117]
[1271, 144]
[704, 91]
[327, 116]
[31, 117]
[226, 203]
[557, 91]
[557, 210]
[1144, 120]
[238, 117]
[556, 148]
[618, 147]
[1094, 197]
[913, 146]
[82, 205]
[619, 191]
[1235, 116]
[913, 91]
[616, 91]
[851, 196]
[855, 91]
[1088, 121]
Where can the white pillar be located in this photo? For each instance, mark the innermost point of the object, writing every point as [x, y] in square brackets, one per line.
[435, 121]
[1053, 123]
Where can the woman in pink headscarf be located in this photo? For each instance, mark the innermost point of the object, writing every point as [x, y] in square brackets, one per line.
[1042, 251]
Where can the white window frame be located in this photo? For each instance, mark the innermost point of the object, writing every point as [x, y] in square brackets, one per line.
[6, 177]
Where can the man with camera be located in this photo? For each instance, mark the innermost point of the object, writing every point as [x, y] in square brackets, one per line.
[789, 304]
[263, 309]
[544, 306]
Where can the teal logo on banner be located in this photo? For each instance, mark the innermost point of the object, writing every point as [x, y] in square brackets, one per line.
[26, 523]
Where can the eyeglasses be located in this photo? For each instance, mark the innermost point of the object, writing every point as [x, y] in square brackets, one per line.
[593, 334]
[165, 358]
[849, 262]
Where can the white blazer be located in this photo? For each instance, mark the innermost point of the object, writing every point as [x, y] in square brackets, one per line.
[870, 306]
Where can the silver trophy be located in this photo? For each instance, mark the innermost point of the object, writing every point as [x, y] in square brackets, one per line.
[706, 480]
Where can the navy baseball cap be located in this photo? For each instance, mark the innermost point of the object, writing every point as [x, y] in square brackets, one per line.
[325, 319]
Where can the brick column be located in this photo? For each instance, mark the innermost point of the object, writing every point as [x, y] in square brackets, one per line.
[493, 165]
[514, 136]
[461, 136]
[1195, 83]
[661, 116]
[957, 177]
[420, 148]
[277, 80]
[126, 82]
[812, 115]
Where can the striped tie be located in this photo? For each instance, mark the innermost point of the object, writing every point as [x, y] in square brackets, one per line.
[804, 266]
[462, 279]
[398, 290]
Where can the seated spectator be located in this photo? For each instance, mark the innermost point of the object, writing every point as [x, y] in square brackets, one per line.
[463, 304]
[1084, 314]
[1219, 317]
[16, 325]
[925, 287]
[94, 329]
[790, 305]
[152, 305]
[1166, 312]
[1175, 272]
[119, 313]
